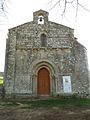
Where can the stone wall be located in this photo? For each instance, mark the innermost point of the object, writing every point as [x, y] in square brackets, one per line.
[63, 54]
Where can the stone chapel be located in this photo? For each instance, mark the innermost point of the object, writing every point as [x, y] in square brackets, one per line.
[44, 58]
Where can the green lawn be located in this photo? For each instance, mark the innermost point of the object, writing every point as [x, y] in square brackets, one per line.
[45, 103]
[1, 80]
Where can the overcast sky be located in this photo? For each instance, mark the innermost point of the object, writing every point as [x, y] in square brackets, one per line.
[21, 11]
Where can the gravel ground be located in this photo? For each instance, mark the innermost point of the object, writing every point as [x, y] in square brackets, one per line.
[52, 113]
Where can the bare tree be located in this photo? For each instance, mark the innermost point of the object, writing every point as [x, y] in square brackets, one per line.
[63, 4]
[3, 12]
[2, 7]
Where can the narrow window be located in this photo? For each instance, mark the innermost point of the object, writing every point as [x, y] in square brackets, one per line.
[43, 40]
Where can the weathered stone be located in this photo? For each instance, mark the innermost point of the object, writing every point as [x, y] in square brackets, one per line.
[62, 55]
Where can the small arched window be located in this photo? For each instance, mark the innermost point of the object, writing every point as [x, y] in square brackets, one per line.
[43, 40]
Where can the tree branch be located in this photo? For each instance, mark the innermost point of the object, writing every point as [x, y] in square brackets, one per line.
[64, 3]
[83, 7]
[58, 2]
[2, 4]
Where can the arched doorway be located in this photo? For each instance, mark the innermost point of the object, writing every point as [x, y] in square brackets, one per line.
[43, 82]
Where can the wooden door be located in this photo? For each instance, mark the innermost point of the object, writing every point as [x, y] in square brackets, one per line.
[43, 82]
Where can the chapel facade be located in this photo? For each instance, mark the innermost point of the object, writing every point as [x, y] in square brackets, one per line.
[44, 58]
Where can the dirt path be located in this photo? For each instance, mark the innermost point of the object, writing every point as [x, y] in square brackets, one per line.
[54, 113]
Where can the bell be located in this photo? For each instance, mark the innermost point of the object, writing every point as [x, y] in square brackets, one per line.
[40, 19]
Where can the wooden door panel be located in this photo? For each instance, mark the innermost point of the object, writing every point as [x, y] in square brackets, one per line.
[43, 83]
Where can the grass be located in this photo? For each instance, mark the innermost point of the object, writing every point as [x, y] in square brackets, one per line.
[45, 103]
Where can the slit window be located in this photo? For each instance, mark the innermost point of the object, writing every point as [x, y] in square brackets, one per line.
[43, 40]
